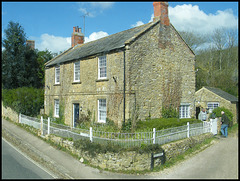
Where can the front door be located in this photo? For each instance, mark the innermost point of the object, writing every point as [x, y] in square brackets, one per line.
[197, 112]
[75, 114]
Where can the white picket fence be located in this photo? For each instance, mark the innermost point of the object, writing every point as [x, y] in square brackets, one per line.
[123, 139]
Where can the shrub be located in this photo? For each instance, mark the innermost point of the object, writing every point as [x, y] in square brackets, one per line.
[25, 100]
[217, 111]
[93, 148]
[127, 126]
[61, 119]
[169, 112]
[164, 123]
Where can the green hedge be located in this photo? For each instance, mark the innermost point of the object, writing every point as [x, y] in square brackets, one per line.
[25, 100]
[94, 148]
[217, 111]
[164, 123]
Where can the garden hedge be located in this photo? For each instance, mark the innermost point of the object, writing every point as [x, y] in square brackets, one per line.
[25, 100]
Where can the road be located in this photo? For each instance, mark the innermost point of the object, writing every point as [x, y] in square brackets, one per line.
[220, 160]
[17, 166]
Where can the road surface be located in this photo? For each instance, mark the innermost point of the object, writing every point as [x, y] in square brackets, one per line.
[16, 166]
[219, 161]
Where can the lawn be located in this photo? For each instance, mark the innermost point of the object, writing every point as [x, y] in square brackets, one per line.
[163, 123]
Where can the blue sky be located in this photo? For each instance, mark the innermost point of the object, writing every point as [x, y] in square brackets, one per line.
[50, 24]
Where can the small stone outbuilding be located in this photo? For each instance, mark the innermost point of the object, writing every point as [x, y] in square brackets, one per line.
[210, 98]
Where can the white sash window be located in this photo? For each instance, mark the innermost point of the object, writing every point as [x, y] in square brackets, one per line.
[102, 67]
[77, 72]
[102, 110]
[57, 75]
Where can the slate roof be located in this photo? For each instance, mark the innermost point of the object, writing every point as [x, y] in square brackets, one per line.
[102, 45]
[223, 94]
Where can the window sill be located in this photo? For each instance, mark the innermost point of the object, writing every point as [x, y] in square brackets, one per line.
[102, 80]
[76, 82]
[56, 84]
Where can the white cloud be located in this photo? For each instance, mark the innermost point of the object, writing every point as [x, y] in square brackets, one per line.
[152, 16]
[85, 12]
[191, 18]
[53, 43]
[95, 36]
[102, 5]
[138, 23]
[56, 44]
[94, 8]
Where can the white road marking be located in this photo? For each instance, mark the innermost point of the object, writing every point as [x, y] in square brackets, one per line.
[55, 177]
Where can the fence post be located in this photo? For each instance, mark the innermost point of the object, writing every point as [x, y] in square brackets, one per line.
[154, 135]
[41, 126]
[91, 137]
[188, 129]
[19, 119]
[48, 125]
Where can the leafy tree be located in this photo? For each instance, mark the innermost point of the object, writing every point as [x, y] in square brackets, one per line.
[43, 57]
[19, 62]
[13, 55]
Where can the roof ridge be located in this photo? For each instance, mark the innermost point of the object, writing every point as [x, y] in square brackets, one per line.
[58, 55]
[104, 44]
[112, 35]
[141, 32]
[225, 95]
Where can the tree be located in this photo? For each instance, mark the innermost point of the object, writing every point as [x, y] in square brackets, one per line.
[219, 40]
[13, 55]
[19, 62]
[193, 40]
[43, 57]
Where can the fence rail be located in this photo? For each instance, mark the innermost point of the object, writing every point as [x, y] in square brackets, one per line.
[123, 139]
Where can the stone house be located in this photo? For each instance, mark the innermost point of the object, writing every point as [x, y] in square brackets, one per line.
[128, 75]
[210, 98]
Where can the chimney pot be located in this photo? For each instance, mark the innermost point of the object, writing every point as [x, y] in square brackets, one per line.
[77, 36]
[161, 12]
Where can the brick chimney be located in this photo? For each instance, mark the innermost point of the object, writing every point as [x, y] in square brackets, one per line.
[77, 36]
[161, 12]
[31, 44]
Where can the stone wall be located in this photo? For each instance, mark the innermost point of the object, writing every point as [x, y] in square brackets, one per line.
[7, 112]
[155, 75]
[160, 75]
[89, 89]
[131, 160]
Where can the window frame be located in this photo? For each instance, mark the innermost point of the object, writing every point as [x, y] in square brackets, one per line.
[102, 67]
[100, 110]
[74, 72]
[56, 108]
[57, 75]
[210, 109]
[184, 111]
